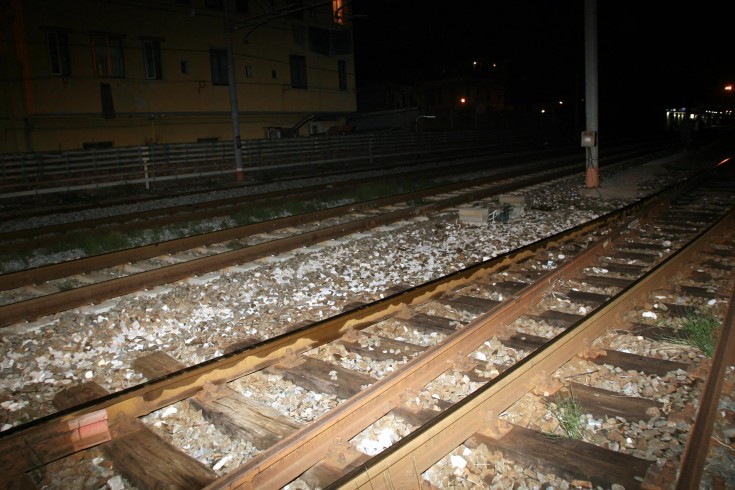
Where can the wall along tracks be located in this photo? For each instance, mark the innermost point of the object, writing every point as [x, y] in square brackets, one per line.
[609, 266]
[32, 293]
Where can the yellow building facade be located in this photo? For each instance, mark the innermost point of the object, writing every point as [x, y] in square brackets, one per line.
[100, 73]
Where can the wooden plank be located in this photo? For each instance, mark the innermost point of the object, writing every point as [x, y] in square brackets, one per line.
[639, 246]
[157, 364]
[634, 362]
[150, 462]
[608, 404]
[523, 341]
[680, 311]
[557, 318]
[585, 298]
[323, 377]
[699, 292]
[623, 268]
[714, 264]
[506, 288]
[386, 350]
[244, 418]
[138, 454]
[606, 281]
[569, 458]
[639, 256]
[432, 323]
[76, 395]
[469, 304]
[653, 332]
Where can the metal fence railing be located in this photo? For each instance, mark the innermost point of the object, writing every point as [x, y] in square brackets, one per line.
[27, 174]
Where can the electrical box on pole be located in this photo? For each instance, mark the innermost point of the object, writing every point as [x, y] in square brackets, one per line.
[589, 138]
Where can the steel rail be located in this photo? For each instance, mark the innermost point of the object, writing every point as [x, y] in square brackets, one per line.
[30, 235]
[293, 455]
[698, 444]
[402, 464]
[34, 308]
[40, 274]
[47, 439]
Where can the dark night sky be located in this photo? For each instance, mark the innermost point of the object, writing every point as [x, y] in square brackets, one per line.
[652, 54]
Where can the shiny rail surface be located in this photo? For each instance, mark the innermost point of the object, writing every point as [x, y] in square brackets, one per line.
[47, 439]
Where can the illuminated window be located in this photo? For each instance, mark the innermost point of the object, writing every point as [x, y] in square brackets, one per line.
[338, 11]
[58, 50]
[108, 56]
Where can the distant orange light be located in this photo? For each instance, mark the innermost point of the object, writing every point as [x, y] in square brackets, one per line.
[462, 100]
[728, 88]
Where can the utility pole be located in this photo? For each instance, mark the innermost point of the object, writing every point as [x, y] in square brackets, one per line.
[254, 22]
[232, 82]
[590, 139]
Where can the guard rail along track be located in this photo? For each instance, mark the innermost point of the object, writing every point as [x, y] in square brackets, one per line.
[32, 174]
[320, 452]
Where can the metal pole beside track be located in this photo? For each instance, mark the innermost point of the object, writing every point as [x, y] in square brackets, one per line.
[592, 176]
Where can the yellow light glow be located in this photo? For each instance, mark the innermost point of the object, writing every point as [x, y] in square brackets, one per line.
[462, 100]
[728, 88]
[338, 12]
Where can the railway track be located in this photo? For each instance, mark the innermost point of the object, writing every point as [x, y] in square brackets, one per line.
[462, 362]
[29, 294]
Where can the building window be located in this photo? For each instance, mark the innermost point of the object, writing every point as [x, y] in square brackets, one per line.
[184, 67]
[338, 11]
[152, 59]
[108, 56]
[298, 71]
[58, 50]
[274, 74]
[342, 72]
[218, 62]
[248, 71]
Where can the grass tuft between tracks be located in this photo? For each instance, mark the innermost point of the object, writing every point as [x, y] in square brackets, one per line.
[698, 329]
[568, 412]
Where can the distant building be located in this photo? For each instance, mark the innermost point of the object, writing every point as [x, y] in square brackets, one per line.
[469, 98]
[87, 73]
[465, 103]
